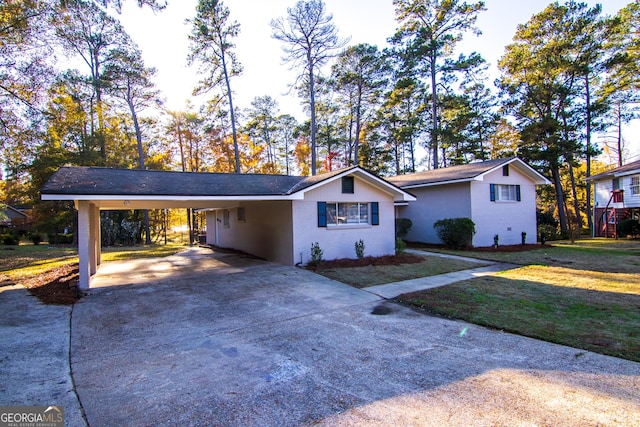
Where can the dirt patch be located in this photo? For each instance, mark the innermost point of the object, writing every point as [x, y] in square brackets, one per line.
[500, 248]
[399, 259]
[57, 286]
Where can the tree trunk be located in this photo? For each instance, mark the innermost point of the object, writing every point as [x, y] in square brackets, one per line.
[236, 151]
[557, 184]
[588, 153]
[358, 128]
[434, 111]
[574, 193]
[620, 162]
[312, 106]
[95, 76]
[136, 125]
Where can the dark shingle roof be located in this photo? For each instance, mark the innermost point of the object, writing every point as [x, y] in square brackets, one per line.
[629, 167]
[107, 181]
[312, 180]
[453, 173]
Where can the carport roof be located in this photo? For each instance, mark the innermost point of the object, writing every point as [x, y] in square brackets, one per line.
[135, 182]
[78, 182]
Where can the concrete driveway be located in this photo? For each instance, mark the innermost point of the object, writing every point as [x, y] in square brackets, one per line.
[209, 340]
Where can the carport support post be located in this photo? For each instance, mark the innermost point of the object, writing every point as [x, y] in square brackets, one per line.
[87, 251]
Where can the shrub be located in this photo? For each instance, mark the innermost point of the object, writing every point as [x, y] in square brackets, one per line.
[360, 249]
[35, 238]
[548, 232]
[60, 238]
[546, 218]
[496, 240]
[629, 227]
[403, 225]
[455, 233]
[316, 254]
[10, 239]
[401, 246]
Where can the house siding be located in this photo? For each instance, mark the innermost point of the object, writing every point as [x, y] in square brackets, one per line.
[602, 191]
[265, 233]
[604, 187]
[506, 219]
[435, 203]
[630, 200]
[339, 242]
[472, 199]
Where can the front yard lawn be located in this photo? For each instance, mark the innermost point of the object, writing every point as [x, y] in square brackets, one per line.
[373, 271]
[585, 296]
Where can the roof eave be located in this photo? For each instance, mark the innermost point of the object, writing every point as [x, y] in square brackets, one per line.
[108, 197]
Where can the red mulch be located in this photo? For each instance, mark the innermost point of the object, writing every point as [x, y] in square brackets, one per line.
[56, 286]
[399, 259]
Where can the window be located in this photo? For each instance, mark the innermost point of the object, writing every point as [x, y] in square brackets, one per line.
[615, 183]
[241, 215]
[334, 214]
[347, 185]
[635, 185]
[225, 218]
[505, 193]
[505, 170]
[347, 213]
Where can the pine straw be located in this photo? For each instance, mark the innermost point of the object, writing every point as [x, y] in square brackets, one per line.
[57, 286]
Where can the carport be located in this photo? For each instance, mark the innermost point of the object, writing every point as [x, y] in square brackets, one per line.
[283, 207]
[93, 189]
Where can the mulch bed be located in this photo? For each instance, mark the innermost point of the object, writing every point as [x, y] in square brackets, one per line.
[500, 248]
[399, 259]
[57, 286]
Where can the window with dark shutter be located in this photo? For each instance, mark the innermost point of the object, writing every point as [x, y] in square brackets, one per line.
[347, 185]
[504, 193]
[375, 213]
[322, 214]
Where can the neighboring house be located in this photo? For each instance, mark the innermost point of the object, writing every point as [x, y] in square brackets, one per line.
[498, 195]
[275, 217]
[616, 197]
[12, 217]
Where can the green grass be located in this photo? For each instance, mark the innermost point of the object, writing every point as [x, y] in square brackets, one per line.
[585, 296]
[26, 260]
[604, 255]
[371, 275]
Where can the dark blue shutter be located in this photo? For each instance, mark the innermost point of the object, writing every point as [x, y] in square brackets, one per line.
[322, 214]
[375, 213]
[517, 192]
[492, 189]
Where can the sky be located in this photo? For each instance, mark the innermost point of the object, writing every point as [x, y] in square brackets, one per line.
[163, 38]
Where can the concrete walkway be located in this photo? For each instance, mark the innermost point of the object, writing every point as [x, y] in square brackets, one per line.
[392, 290]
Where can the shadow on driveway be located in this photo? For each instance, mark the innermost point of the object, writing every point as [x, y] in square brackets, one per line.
[224, 340]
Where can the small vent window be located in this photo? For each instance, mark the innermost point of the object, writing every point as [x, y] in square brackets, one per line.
[505, 170]
[347, 185]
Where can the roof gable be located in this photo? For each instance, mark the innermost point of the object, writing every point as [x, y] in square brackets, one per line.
[465, 173]
[628, 169]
